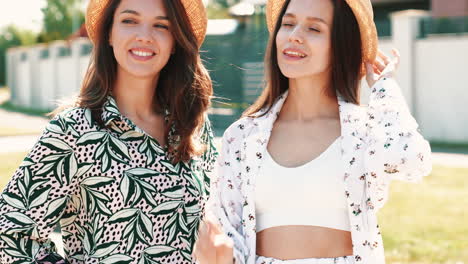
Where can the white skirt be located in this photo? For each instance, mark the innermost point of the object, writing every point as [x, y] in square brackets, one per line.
[341, 260]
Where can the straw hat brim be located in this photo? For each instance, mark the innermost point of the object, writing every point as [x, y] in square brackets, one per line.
[362, 10]
[195, 10]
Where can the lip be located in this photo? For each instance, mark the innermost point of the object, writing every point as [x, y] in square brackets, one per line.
[293, 57]
[141, 49]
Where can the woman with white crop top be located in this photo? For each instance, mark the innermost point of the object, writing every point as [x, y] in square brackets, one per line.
[303, 173]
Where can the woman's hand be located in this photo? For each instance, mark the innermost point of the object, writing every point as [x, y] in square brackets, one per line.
[385, 69]
[213, 246]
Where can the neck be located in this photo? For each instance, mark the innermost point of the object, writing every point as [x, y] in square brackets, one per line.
[135, 96]
[308, 100]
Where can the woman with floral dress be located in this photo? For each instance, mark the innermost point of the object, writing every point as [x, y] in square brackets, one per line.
[123, 171]
[304, 172]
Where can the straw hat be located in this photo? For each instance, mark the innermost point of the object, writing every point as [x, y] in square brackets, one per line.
[362, 10]
[194, 8]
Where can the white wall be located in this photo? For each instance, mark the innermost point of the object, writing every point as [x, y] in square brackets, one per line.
[442, 87]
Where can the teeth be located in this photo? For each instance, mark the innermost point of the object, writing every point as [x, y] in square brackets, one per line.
[142, 53]
[294, 53]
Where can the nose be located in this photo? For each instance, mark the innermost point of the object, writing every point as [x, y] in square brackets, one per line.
[296, 35]
[144, 34]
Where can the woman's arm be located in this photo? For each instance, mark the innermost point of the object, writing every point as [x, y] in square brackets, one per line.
[396, 149]
[226, 201]
[36, 197]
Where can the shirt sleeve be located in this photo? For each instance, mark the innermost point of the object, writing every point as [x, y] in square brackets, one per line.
[226, 198]
[209, 156]
[36, 197]
[396, 149]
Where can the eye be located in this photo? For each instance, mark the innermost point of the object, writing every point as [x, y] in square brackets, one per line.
[161, 26]
[314, 29]
[287, 24]
[129, 21]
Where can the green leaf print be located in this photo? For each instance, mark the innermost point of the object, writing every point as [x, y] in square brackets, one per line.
[176, 192]
[159, 251]
[148, 146]
[16, 248]
[134, 189]
[110, 148]
[131, 135]
[92, 198]
[91, 137]
[55, 144]
[19, 218]
[13, 200]
[63, 124]
[97, 181]
[138, 225]
[56, 208]
[123, 215]
[27, 162]
[63, 165]
[117, 259]
[105, 249]
[39, 198]
[166, 207]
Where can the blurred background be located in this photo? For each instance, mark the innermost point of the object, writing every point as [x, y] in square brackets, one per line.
[44, 53]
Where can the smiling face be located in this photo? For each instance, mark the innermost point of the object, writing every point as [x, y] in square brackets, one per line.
[304, 39]
[141, 37]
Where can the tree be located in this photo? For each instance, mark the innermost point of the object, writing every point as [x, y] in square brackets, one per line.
[61, 19]
[12, 36]
[218, 9]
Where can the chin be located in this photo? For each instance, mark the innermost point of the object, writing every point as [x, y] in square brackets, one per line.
[143, 73]
[299, 72]
[292, 74]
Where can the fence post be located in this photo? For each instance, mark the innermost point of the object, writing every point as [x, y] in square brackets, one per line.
[54, 57]
[405, 30]
[11, 61]
[35, 87]
[76, 55]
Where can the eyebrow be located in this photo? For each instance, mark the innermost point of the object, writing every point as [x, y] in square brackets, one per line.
[133, 12]
[308, 18]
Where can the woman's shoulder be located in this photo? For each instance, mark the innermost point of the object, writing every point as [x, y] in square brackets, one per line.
[72, 119]
[240, 128]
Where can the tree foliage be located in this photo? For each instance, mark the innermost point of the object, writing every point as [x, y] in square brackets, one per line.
[12, 36]
[61, 19]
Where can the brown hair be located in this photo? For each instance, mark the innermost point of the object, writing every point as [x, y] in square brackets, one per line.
[347, 60]
[184, 86]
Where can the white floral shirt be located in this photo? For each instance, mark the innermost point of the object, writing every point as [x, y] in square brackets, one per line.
[379, 142]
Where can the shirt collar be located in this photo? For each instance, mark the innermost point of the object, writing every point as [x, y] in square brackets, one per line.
[112, 118]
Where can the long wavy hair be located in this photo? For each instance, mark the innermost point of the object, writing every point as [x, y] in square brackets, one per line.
[346, 59]
[184, 86]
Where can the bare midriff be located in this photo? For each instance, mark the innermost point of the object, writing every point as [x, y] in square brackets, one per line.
[300, 242]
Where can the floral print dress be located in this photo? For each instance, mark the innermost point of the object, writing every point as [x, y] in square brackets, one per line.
[379, 142]
[113, 190]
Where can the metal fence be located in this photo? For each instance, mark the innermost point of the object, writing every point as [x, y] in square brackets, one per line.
[235, 62]
[443, 25]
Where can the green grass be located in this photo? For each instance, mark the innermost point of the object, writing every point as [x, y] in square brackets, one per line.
[9, 163]
[428, 222]
[423, 223]
[8, 106]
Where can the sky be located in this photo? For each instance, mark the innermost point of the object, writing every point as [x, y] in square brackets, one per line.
[25, 14]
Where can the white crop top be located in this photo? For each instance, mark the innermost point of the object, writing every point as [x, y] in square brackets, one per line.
[312, 194]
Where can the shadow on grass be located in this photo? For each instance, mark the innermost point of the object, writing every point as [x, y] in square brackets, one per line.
[459, 148]
[8, 106]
